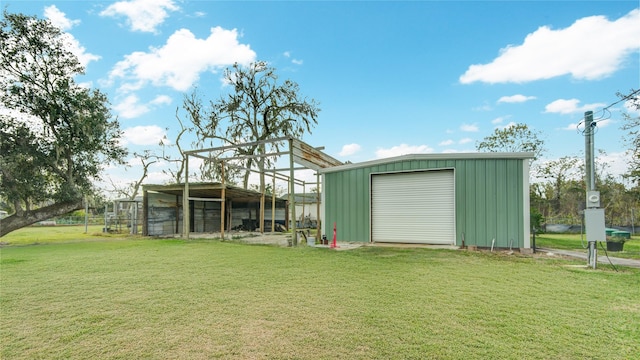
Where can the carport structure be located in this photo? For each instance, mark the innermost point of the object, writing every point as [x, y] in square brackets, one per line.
[163, 210]
[299, 153]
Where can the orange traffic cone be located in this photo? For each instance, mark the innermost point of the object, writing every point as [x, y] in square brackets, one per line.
[334, 244]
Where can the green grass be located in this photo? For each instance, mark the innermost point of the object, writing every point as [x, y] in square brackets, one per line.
[578, 242]
[203, 299]
[58, 234]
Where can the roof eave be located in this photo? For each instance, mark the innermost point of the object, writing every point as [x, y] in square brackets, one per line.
[447, 156]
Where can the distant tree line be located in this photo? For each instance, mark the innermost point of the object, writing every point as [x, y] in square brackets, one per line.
[558, 195]
[558, 190]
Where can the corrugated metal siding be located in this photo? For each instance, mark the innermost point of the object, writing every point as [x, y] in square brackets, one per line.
[162, 213]
[490, 202]
[488, 193]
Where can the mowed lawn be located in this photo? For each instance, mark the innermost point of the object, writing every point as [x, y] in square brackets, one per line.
[204, 299]
[631, 248]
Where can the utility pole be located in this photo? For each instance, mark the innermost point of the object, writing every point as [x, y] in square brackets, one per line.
[593, 214]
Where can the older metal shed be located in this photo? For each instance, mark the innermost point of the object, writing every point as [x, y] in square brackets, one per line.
[162, 209]
[473, 199]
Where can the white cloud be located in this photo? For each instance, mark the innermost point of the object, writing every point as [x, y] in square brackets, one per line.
[180, 61]
[506, 126]
[123, 177]
[562, 106]
[131, 107]
[617, 162]
[161, 100]
[450, 142]
[142, 15]
[349, 149]
[630, 107]
[469, 127]
[143, 135]
[500, 119]
[519, 98]
[60, 20]
[574, 127]
[157, 163]
[570, 106]
[307, 176]
[403, 149]
[604, 123]
[287, 54]
[134, 161]
[157, 177]
[591, 48]
[483, 107]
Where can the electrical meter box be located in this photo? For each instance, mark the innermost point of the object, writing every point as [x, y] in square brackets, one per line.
[593, 199]
[594, 223]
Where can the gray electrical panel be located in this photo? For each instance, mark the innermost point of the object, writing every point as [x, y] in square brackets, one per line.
[594, 223]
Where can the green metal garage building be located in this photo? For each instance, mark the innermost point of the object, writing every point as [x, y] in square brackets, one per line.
[447, 199]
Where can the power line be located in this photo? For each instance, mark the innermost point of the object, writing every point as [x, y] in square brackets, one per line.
[606, 113]
[623, 99]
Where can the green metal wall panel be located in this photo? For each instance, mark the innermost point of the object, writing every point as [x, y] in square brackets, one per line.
[481, 203]
[489, 199]
[468, 226]
[502, 200]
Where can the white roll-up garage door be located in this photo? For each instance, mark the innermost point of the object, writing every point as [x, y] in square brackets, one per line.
[413, 207]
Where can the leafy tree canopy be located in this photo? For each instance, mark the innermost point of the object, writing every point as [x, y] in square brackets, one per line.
[55, 135]
[258, 107]
[514, 138]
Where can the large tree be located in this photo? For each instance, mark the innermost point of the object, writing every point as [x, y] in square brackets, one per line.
[257, 107]
[513, 138]
[558, 177]
[55, 135]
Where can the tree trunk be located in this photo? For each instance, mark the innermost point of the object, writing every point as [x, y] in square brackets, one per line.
[15, 222]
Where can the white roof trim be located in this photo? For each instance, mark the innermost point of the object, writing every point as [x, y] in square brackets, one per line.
[447, 156]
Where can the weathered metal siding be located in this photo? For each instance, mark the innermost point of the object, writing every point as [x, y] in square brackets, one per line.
[489, 199]
[162, 214]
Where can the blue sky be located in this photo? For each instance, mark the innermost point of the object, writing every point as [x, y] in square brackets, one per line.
[391, 77]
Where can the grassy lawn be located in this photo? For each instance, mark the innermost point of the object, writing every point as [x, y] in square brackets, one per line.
[578, 242]
[203, 299]
[57, 234]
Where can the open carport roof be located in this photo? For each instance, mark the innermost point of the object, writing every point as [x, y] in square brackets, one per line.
[208, 191]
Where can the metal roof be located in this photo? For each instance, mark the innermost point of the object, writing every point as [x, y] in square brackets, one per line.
[447, 156]
[209, 191]
[306, 197]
